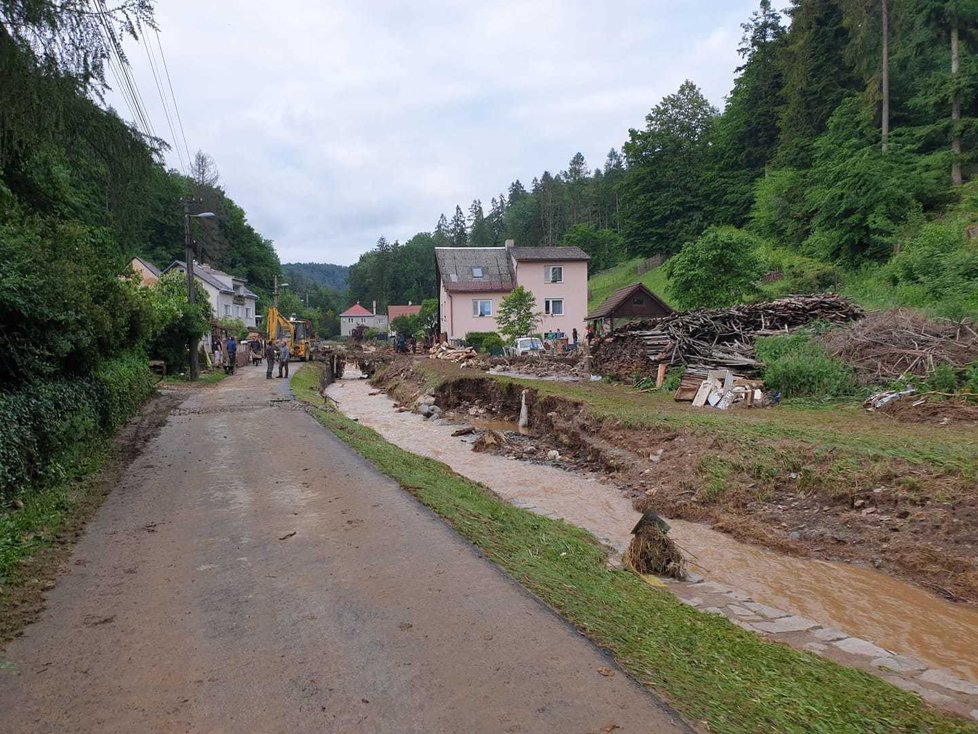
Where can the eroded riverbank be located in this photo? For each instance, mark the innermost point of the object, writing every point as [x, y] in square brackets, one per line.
[865, 604]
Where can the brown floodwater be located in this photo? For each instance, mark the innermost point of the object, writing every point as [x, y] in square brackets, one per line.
[863, 602]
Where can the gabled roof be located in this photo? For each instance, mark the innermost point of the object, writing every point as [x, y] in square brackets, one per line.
[536, 254]
[356, 310]
[394, 312]
[149, 266]
[455, 268]
[620, 297]
[215, 278]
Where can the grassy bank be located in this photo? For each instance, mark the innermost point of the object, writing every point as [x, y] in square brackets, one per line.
[603, 284]
[707, 668]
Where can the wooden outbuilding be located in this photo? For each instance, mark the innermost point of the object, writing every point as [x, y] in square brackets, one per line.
[631, 303]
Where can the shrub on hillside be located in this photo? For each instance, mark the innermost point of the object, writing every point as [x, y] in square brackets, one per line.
[718, 269]
[797, 366]
[47, 422]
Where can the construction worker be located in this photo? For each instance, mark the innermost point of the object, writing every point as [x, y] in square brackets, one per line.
[271, 354]
[283, 359]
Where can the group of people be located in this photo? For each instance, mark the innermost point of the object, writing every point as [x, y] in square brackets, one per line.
[226, 355]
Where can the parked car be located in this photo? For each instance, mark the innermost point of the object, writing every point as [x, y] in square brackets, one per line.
[527, 345]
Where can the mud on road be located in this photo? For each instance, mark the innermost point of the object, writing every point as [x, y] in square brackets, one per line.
[23, 594]
[250, 573]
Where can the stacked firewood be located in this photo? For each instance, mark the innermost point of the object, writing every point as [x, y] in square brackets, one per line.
[711, 339]
[887, 345]
[459, 355]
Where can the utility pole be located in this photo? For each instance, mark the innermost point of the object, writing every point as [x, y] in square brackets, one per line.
[188, 244]
[275, 290]
[886, 75]
[191, 291]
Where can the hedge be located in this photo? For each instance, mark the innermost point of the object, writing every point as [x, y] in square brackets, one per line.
[45, 422]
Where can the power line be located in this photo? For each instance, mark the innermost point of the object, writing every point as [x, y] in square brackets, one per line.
[166, 111]
[176, 107]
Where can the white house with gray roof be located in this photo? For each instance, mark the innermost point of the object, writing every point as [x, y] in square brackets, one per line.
[228, 295]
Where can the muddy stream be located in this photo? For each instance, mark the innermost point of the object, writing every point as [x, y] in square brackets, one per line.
[862, 602]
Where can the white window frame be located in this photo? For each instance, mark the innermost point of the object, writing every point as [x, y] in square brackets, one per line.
[227, 309]
[548, 274]
[548, 306]
[477, 308]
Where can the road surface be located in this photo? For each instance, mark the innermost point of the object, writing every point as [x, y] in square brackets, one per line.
[252, 574]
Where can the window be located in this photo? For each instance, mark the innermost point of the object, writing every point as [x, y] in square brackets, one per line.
[227, 310]
[482, 308]
[476, 272]
[247, 312]
[237, 312]
[553, 307]
[553, 274]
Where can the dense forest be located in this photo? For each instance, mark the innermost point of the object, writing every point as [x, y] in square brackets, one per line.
[842, 157]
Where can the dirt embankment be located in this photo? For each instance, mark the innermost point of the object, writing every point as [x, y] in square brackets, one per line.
[918, 522]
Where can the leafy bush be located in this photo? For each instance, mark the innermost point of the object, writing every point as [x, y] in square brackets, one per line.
[718, 269]
[797, 366]
[47, 421]
[476, 339]
[493, 344]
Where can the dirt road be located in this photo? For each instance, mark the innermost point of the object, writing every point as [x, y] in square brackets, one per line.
[252, 574]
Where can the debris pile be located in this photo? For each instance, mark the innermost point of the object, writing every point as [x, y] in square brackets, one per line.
[463, 356]
[722, 389]
[545, 366]
[887, 345]
[652, 550]
[712, 339]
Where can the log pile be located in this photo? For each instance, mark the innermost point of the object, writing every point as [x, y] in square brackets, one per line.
[461, 355]
[889, 344]
[712, 339]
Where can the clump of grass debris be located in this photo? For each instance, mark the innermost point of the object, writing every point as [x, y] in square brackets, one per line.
[652, 551]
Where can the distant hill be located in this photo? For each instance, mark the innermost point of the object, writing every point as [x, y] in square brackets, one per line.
[324, 274]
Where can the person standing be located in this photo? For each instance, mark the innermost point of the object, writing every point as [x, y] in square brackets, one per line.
[231, 345]
[574, 336]
[283, 359]
[271, 354]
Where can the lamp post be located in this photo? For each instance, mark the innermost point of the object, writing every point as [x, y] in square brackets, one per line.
[191, 292]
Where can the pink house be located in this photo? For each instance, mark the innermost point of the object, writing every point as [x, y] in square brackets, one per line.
[473, 280]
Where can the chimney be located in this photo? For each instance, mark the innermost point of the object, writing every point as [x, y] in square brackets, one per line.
[509, 244]
[409, 303]
[375, 308]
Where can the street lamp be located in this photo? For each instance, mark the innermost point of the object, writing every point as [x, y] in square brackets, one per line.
[191, 294]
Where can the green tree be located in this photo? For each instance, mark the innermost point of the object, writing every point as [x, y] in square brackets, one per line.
[603, 245]
[517, 315]
[457, 231]
[663, 196]
[719, 269]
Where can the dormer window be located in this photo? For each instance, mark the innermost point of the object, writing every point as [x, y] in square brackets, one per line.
[477, 272]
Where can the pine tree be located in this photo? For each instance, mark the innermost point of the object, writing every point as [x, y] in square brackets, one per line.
[458, 231]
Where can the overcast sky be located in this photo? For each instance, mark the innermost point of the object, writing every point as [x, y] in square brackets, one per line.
[335, 122]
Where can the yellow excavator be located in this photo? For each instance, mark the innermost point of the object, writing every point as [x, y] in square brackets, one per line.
[296, 332]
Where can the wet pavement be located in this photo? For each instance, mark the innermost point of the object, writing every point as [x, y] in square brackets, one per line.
[856, 616]
[252, 574]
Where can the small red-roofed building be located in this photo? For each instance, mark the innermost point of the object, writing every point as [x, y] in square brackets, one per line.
[357, 315]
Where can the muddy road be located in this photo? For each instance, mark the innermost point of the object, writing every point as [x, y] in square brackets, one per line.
[251, 574]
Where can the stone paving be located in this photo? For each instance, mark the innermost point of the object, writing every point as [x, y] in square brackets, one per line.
[938, 687]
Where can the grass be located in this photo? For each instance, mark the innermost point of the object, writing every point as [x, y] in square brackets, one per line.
[707, 668]
[603, 284]
[25, 530]
[211, 377]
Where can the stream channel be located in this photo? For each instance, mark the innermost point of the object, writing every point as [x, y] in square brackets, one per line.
[863, 602]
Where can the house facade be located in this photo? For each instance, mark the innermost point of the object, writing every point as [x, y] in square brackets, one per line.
[228, 295]
[472, 281]
[148, 273]
[356, 315]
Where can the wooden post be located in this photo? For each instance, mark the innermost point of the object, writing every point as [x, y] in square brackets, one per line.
[661, 375]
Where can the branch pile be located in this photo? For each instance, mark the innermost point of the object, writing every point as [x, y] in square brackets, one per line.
[711, 339]
[889, 344]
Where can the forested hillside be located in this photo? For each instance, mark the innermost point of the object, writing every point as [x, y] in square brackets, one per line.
[841, 159]
[334, 277]
[81, 192]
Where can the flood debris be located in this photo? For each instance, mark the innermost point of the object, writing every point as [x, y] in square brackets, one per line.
[723, 389]
[712, 339]
[652, 551]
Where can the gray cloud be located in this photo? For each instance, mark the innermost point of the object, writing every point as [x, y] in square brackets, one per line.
[333, 123]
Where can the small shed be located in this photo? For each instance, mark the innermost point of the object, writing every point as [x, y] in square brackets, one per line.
[629, 303]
